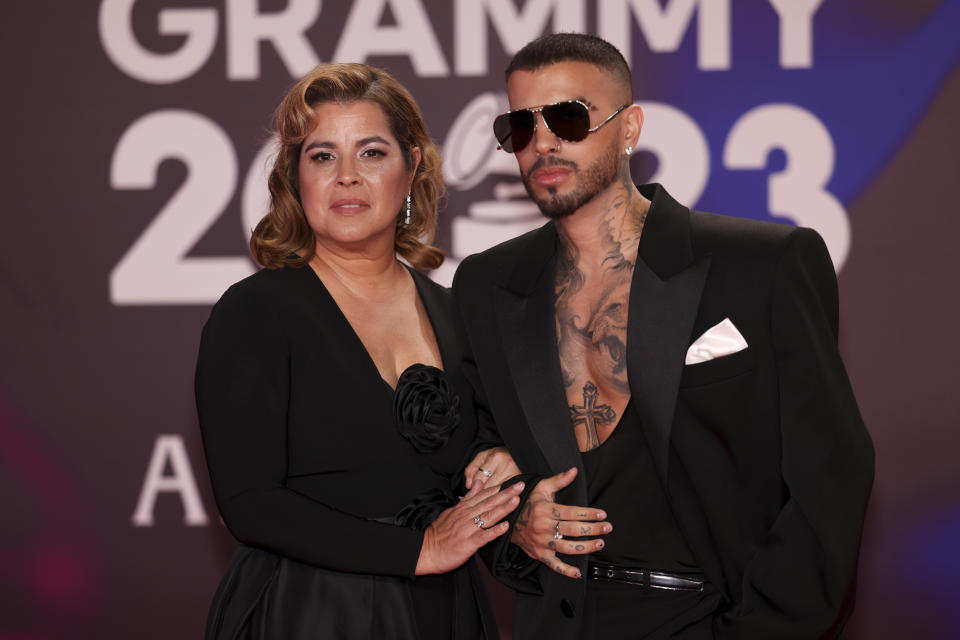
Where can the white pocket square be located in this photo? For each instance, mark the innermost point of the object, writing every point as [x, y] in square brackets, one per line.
[719, 340]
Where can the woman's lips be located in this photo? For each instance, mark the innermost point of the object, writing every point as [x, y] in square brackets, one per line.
[349, 205]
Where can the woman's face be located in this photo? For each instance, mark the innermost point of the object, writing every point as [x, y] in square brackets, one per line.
[353, 177]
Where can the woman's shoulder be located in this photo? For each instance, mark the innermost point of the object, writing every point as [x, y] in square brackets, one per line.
[268, 283]
[262, 293]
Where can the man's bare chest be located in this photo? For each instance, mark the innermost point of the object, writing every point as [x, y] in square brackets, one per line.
[592, 348]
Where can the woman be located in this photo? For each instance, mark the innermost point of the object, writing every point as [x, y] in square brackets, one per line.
[333, 417]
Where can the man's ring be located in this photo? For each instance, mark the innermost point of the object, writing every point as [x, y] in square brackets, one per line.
[478, 521]
[556, 531]
[485, 472]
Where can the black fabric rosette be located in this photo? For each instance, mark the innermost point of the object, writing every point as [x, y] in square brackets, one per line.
[426, 408]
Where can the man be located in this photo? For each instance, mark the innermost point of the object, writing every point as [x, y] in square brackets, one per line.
[685, 364]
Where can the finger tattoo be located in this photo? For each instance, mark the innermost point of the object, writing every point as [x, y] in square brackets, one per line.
[580, 547]
[556, 512]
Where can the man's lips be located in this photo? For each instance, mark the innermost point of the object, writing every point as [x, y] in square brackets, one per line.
[550, 175]
[349, 205]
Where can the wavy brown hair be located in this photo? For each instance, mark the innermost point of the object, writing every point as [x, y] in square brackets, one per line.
[283, 236]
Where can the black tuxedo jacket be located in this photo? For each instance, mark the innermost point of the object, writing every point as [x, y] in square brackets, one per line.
[762, 454]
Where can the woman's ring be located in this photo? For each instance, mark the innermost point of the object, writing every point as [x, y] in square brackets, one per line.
[478, 521]
[485, 472]
[556, 531]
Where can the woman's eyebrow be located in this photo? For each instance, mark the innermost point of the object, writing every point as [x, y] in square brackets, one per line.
[325, 144]
[366, 141]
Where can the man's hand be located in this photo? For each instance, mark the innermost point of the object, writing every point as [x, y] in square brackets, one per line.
[491, 467]
[543, 526]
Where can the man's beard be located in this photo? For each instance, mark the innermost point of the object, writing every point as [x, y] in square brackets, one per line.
[597, 177]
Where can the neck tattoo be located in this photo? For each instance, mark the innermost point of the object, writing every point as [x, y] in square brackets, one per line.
[591, 313]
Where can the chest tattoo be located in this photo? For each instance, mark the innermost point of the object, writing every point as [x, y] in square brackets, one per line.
[591, 415]
[591, 318]
[591, 324]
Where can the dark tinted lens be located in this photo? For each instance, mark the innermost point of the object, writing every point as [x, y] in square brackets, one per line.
[568, 120]
[513, 130]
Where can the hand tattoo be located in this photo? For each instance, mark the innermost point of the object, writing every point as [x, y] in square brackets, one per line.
[523, 520]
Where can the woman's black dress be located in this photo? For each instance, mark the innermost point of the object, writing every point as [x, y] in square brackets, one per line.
[326, 474]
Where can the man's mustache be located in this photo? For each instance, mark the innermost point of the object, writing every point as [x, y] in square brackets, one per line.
[551, 161]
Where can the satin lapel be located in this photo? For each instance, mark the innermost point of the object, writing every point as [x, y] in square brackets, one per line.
[524, 312]
[528, 330]
[439, 305]
[664, 298]
[658, 335]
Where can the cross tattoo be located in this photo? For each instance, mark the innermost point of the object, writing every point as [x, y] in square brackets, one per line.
[590, 415]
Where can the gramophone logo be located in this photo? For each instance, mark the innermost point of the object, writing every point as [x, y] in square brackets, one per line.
[470, 157]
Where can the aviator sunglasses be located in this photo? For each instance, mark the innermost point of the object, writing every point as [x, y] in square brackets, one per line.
[568, 120]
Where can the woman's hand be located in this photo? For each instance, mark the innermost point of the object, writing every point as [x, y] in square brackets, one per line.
[458, 532]
[491, 467]
[543, 526]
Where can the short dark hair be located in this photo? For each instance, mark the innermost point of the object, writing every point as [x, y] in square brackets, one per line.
[576, 47]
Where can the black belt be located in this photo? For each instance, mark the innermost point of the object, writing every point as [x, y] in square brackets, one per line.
[645, 577]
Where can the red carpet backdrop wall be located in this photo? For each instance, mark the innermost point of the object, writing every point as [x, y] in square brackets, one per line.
[134, 149]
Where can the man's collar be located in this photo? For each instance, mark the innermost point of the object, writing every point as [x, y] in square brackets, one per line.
[665, 245]
[536, 261]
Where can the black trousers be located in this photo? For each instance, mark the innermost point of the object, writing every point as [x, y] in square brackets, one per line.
[614, 610]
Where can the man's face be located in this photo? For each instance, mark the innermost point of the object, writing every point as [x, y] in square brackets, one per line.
[561, 176]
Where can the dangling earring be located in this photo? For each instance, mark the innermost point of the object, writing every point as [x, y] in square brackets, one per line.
[629, 150]
[407, 219]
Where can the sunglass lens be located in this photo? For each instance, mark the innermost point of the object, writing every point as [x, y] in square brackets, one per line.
[568, 120]
[501, 129]
[513, 130]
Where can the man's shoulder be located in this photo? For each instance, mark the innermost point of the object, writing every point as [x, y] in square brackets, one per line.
[514, 247]
[732, 236]
[711, 232]
[497, 263]
[756, 249]
[734, 229]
